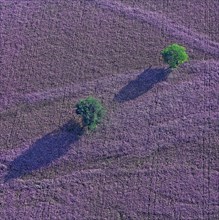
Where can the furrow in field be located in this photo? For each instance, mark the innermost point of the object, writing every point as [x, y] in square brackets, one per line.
[73, 192]
[72, 90]
[57, 93]
[69, 178]
[106, 153]
[189, 101]
[169, 27]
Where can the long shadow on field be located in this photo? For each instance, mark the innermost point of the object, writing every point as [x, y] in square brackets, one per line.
[45, 150]
[143, 83]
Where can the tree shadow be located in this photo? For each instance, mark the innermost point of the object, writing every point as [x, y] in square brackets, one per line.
[143, 83]
[45, 150]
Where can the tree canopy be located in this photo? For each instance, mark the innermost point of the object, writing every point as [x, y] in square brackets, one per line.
[174, 55]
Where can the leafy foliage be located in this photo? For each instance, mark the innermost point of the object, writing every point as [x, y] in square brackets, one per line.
[92, 112]
[174, 55]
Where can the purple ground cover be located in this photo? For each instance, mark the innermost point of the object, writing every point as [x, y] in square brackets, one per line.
[156, 154]
[44, 151]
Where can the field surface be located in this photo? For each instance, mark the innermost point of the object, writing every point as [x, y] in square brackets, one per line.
[155, 156]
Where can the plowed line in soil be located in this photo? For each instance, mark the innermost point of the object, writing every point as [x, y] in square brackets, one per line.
[177, 119]
[12, 128]
[155, 190]
[209, 114]
[177, 200]
[182, 33]
[150, 185]
[98, 171]
[71, 90]
[154, 167]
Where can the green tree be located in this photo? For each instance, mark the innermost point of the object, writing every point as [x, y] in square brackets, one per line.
[92, 112]
[174, 55]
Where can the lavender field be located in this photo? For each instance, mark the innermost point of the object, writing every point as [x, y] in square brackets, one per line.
[155, 156]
